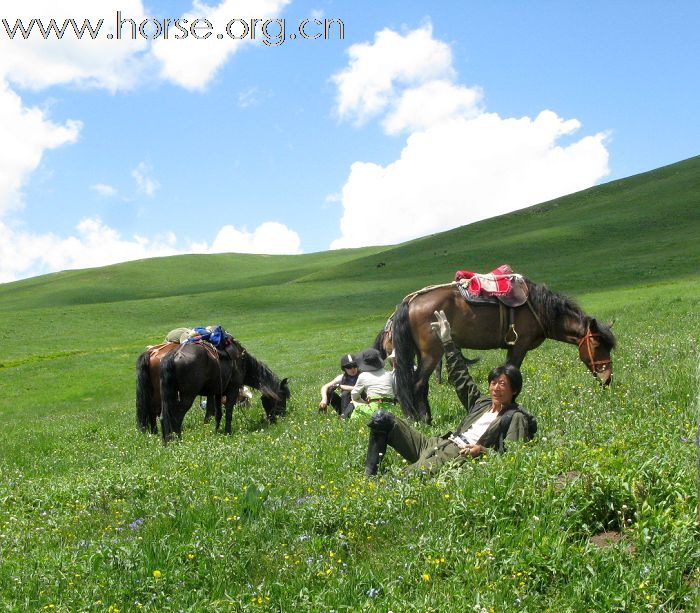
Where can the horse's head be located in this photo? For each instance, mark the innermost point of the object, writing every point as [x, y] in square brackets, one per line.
[594, 349]
[275, 401]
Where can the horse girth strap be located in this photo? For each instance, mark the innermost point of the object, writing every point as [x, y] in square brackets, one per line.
[593, 364]
[211, 350]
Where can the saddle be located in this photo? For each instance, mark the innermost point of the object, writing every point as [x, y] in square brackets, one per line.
[500, 285]
[161, 349]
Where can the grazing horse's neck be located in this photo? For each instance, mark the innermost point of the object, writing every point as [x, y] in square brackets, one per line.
[571, 329]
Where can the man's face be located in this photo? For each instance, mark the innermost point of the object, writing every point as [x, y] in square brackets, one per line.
[501, 390]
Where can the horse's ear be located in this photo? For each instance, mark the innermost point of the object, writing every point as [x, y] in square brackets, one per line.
[285, 382]
[593, 324]
[611, 324]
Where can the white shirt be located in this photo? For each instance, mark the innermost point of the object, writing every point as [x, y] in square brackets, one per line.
[472, 435]
[375, 383]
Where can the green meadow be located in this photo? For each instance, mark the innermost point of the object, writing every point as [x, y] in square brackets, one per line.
[598, 513]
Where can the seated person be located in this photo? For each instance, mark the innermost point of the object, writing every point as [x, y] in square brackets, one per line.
[374, 383]
[337, 392]
[481, 428]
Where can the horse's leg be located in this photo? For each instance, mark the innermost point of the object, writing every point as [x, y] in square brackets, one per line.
[183, 406]
[217, 412]
[211, 409]
[427, 363]
[438, 372]
[516, 353]
[230, 400]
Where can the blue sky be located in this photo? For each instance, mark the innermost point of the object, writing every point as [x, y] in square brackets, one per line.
[424, 117]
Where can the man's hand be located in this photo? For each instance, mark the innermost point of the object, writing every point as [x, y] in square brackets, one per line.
[441, 327]
[471, 450]
[322, 406]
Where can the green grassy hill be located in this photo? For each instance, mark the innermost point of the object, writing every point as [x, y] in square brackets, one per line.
[95, 516]
[637, 230]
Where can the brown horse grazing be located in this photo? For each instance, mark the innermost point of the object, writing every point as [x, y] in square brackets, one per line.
[148, 386]
[482, 326]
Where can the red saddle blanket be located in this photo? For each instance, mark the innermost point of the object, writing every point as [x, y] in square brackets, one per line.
[502, 283]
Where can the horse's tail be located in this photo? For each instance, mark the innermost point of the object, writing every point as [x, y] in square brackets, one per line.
[405, 350]
[379, 343]
[144, 392]
[168, 394]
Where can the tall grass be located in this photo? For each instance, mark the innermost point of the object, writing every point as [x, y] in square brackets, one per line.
[95, 516]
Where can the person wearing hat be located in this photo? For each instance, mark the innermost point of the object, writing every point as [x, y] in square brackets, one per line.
[375, 384]
[337, 392]
[491, 420]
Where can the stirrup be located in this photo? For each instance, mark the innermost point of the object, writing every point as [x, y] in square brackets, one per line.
[515, 334]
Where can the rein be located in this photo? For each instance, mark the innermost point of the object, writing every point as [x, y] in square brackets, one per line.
[595, 366]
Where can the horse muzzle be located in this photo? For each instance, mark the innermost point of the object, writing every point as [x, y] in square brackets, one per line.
[604, 374]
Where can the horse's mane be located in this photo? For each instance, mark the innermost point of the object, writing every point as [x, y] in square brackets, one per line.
[552, 308]
[259, 376]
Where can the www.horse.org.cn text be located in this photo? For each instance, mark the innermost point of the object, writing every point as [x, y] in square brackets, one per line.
[270, 32]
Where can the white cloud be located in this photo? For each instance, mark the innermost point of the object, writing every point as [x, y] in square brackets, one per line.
[369, 83]
[26, 134]
[269, 237]
[107, 191]
[429, 104]
[460, 163]
[192, 63]
[23, 254]
[145, 183]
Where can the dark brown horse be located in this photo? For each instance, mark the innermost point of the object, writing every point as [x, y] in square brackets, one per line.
[197, 369]
[481, 326]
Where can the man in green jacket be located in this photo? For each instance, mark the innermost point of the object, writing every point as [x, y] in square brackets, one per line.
[481, 428]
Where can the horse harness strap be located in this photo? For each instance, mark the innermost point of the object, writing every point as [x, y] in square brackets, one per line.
[410, 297]
[593, 364]
[508, 332]
[536, 316]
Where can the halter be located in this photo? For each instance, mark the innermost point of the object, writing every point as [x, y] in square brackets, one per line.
[595, 366]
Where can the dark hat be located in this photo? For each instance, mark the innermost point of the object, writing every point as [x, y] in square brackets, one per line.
[348, 361]
[370, 359]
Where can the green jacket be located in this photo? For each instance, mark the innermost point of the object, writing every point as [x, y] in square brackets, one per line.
[477, 403]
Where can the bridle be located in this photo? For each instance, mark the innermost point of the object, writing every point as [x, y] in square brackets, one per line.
[595, 366]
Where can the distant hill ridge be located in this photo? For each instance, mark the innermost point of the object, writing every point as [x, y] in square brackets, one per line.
[638, 230]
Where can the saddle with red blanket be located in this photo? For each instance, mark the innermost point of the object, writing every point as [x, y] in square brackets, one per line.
[501, 284]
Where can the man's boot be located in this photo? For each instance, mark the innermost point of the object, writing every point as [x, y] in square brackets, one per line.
[379, 425]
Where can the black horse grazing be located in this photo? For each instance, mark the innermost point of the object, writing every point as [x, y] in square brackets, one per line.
[478, 326]
[195, 369]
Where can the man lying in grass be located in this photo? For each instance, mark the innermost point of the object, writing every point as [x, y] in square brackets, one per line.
[491, 419]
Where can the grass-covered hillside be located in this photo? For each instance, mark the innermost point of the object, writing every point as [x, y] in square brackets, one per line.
[598, 513]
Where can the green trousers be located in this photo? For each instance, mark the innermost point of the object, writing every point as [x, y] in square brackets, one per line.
[425, 453]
